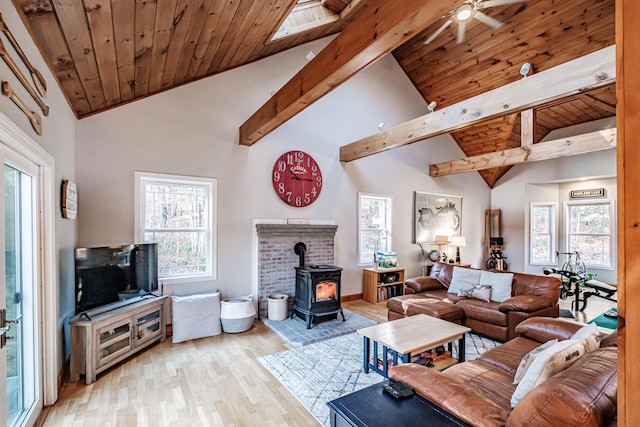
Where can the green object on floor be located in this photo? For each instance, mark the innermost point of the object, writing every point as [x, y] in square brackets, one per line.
[605, 322]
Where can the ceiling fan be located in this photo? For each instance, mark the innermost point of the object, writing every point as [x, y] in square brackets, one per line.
[470, 9]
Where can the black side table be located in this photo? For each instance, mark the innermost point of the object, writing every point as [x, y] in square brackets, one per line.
[372, 407]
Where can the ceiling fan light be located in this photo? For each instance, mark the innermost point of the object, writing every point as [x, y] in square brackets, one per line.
[464, 12]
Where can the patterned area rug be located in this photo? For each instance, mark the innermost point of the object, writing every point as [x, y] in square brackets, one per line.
[295, 331]
[326, 370]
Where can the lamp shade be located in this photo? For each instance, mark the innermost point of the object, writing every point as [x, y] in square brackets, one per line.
[458, 241]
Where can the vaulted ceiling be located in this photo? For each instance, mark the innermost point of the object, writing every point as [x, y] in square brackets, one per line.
[105, 53]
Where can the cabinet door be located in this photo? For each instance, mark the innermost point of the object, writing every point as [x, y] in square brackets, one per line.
[148, 325]
[113, 341]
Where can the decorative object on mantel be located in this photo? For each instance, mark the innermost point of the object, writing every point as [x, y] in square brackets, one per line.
[14, 68]
[34, 118]
[36, 76]
[297, 178]
[298, 221]
[69, 199]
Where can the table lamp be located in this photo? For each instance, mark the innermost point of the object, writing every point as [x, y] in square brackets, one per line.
[458, 241]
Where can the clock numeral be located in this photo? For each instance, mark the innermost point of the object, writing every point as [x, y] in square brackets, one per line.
[307, 198]
[276, 176]
[319, 181]
[295, 157]
[314, 170]
[289, 194]
[282, 166]
[299, 201]
[281, 188]
[314, 192]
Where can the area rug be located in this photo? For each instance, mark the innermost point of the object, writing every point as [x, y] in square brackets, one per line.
[320, 372]
[295, 331]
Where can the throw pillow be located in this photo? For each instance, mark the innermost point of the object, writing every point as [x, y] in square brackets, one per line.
[463, 278]
[500, 284]
[480, 292]
[195, 316]
[528, 358]
[590, 333]
[548, 363]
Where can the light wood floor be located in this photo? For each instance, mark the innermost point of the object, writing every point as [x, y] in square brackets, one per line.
[214, 381]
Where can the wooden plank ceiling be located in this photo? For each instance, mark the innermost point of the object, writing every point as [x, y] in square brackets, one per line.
[105, 53]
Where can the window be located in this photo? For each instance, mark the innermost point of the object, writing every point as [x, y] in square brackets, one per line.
[543, 239]
[374, 225]
[590, 231]
[178, 213]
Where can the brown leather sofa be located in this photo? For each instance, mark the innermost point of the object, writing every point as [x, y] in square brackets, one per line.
[479, 391]
[531, 296]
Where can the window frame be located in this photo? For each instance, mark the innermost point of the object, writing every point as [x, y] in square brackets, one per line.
[388, 230]
[553, 232]
[612, 230]
[211, 184]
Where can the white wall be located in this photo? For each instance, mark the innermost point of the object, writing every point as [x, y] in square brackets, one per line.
[59, 139]
[193, 130]
[548, 181]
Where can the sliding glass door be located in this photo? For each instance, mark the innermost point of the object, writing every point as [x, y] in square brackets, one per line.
[19, 325]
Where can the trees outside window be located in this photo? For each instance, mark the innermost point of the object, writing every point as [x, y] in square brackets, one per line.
[178, 213]
[374, 226]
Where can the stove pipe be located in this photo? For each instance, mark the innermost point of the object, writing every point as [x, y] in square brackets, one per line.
[300, 248]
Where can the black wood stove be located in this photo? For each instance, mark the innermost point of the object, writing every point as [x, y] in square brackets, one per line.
[317, 291]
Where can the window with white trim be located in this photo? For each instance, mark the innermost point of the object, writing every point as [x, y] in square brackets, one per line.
[178, 213]
[543, 236]
[374, 226]
[590, 230]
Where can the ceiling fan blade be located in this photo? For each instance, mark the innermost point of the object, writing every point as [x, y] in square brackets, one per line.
[493, 3]
[438, 31]
[486, 19]
[462, 26]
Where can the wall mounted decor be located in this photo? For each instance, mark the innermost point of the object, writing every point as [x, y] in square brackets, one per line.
[36, 76]
[297, 178]
[436, 215]
[69, 199]
[34, 118]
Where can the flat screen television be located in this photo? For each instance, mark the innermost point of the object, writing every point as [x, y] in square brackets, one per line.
[109, 274]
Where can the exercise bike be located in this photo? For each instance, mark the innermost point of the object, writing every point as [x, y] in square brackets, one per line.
[572, 284]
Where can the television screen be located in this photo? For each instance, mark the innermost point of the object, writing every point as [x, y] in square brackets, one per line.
[114, 273]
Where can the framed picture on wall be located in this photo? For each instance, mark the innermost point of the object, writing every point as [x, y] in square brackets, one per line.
[436, 215]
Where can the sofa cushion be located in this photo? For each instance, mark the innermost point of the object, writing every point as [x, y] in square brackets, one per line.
[507, 356]
[463, 278]
[484, 311]
[585, 394]
[481, 292]
[424, 283]
[500, 284]
[552, 360]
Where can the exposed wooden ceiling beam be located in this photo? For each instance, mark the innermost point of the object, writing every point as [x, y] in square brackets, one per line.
[376, 29]
[590, 71]
[563, 147]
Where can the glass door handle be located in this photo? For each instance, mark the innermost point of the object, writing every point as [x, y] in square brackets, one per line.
[17, 320]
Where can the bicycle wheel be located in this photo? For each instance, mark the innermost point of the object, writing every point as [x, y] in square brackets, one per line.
[491, 264]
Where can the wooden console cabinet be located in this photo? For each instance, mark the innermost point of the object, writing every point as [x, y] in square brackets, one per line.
[107, 335]
[382, 283]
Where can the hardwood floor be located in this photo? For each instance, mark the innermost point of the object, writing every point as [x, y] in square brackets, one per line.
[214, 381]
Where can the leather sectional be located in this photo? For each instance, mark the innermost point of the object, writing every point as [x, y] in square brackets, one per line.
[530, 296]
[481, 392]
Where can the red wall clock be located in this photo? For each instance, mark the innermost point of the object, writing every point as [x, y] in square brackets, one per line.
[297, 178]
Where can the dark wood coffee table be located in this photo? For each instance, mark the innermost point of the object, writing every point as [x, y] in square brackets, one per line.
[371, 406]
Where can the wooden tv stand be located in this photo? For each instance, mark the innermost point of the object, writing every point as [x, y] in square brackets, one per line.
[105, 336]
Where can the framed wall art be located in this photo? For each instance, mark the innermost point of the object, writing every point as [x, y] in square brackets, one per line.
[436, 215]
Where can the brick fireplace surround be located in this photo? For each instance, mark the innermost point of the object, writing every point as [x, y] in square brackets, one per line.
[277, 260]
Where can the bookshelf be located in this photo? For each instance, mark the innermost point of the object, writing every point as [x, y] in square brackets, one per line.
[382, 283]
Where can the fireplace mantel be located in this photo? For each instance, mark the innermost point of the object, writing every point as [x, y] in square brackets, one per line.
[289, 229]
